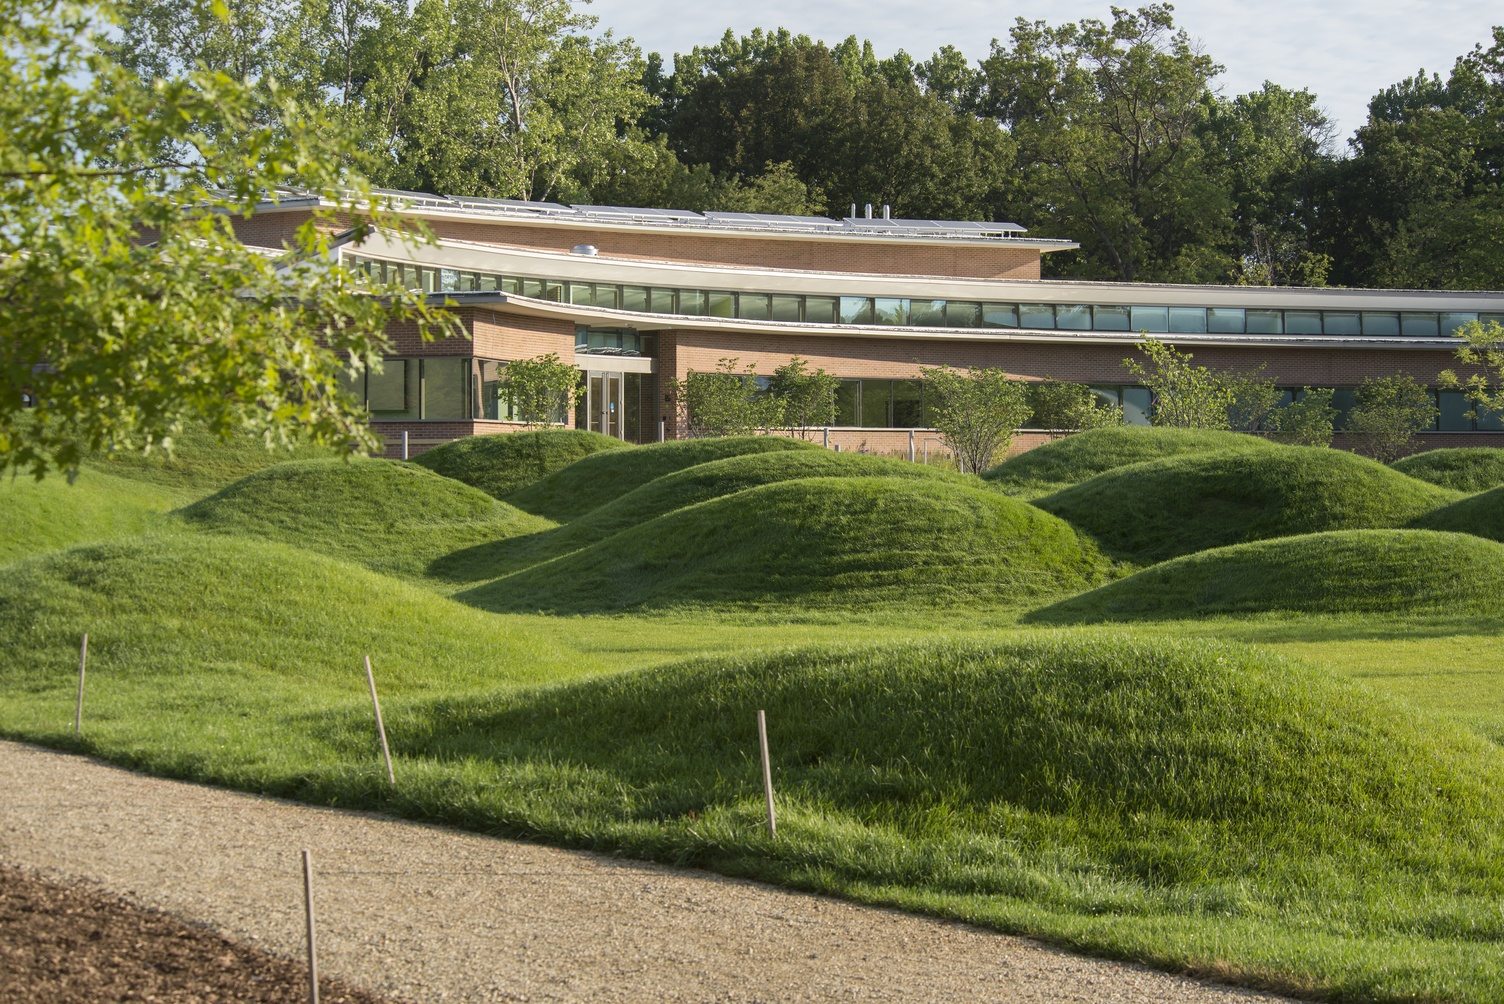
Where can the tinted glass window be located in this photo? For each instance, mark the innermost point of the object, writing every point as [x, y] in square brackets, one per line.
[1454, 408]
[607, 296]
[1000, 315]
[908, 412]
[1490, 421]
[1136, 402]
[1452, 320]
[1151, 319]
[927, 313]
[393, 393]
[848, 399]
[511, 284]
[719, 303]
[1036, 315]
[693, 302]
[488, 283]
[1265, 322]
[449, 280]
[444, 385]
[891, 310]
[1341, 322]
[1377, 323]
[1303, 322]
[1225, 320]
[1111, 318]
[634, 298]
[1188, 320]
[754, 306]
[820, 309]
[963, 314]
[581, 293]
[787, 308]
[856, 310]
[1419, 325]
[1073, 317]
[875, 400]
[663, 301]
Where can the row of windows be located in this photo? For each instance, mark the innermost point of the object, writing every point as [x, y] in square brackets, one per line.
[435, 388]
[912, 312]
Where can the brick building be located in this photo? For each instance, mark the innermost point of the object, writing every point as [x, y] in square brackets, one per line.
[639, 296]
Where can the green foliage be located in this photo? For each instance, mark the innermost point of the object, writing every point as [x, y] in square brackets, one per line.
[1481, 515]
[392, 517]
[541, 390]
[975, 414]
[1387, 413]
[1469, 469]
[1482, 351]
[1185, 396]
[1078, 458]
[1057, 405]
[1347, 571]
[805, 399]
[593, 481]
[724, 401]
[879, 541]
[1165, 508]
[501, 464]
[1308, 420]
[120, 342]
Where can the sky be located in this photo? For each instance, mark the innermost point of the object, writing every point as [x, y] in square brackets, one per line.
[1345, 51]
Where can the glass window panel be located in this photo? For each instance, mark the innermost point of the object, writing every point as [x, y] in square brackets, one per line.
[908, 411]
[720, 303]
[488, 283]
[634, 298]
[1151, 319]
[1380, 323]
[694, 302]
[1110, 318]
[428, 279]
[1136, 404]
[511, 284]
[1343, 400]
[1303, 322]
[820, 309]
[1420, 324]
[848, 400]
[444, 383]
[1107, 395]
[856, 310]
[1265, 322]
[1036, 315]
[927, 313]
[754, 306]
[466, 282]
[1225, 320]
[1451, 320]
[1454, 408]
[393, 393]
[1341, 322]
[607, 296]
[1490, 421]
[876, 397]
[1488, 319]
[631, 403]
[488, 389]
[602, 339]
[582, 293]
[963, 314]
[1000, 315]
[787, 308]
[353, 387]
[890, 310]
[1073, 317]
[449, 280]
[1188, 320]
[647, 344]
[663, 301]
[533, 288]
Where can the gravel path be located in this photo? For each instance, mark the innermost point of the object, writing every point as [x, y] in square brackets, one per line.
[431, 914]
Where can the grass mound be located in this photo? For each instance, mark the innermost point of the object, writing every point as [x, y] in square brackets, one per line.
[1346, 571]
[201, 462]
[391, 517]
[1472, 469]
[595, 480]
[47, 515]
[1481, 515]
[1084, 455]
[837, 541]
[1165, 508]
[501, 464]
[690, 486]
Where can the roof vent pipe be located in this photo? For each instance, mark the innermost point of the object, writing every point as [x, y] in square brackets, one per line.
[585, 249]
[853, 210]
[869, 210]
[886, 214]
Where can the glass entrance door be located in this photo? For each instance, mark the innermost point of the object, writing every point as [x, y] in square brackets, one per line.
[604, 409]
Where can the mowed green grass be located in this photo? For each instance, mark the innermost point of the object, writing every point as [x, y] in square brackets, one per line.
[51, 514]
[1161, 509]
[501, 464]
[1481, 514]
[1468, 469]
[847, 541]
[392, 517]
[201, 462]
[593, 481]
[1081, 457]
[1345, 571]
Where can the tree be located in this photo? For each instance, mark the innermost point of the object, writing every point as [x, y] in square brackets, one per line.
[541, 390]
[1483, 351]
[723, 402]
[1251, 399]
[976, 413]
[117, 340]
[1387, 413]
[805, 399]
[1185, 396]
[1069, 406]
[1308, 420]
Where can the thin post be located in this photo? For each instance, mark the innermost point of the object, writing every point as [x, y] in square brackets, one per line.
[380, 728]
[78, 709]
[826, 440]
[767, 770]
[911, 446]
[404, 444]
[662, 430]
[313, 955]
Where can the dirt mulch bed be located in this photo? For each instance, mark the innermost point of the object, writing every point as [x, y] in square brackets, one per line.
[67, 945]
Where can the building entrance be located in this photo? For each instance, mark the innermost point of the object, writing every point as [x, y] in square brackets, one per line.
[612, 405]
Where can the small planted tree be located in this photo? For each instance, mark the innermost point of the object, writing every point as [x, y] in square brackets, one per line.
[1185, 396]
[806, 399]
[725, 401]
[1483, 350]
[976, 412]
[1306, 421]
[1387, 414]
[540, 390]
[1070, 407]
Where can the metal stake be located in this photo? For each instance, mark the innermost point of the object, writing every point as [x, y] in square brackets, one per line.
[767, 771]
[78, 710]
[313, 957]
[380, 728]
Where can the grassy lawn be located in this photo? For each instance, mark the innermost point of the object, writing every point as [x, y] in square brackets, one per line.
[1302, 790]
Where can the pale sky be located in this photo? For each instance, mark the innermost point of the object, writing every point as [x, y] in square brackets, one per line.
[1343, 50]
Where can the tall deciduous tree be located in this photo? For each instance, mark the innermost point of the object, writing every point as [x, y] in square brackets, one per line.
[113, 339]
